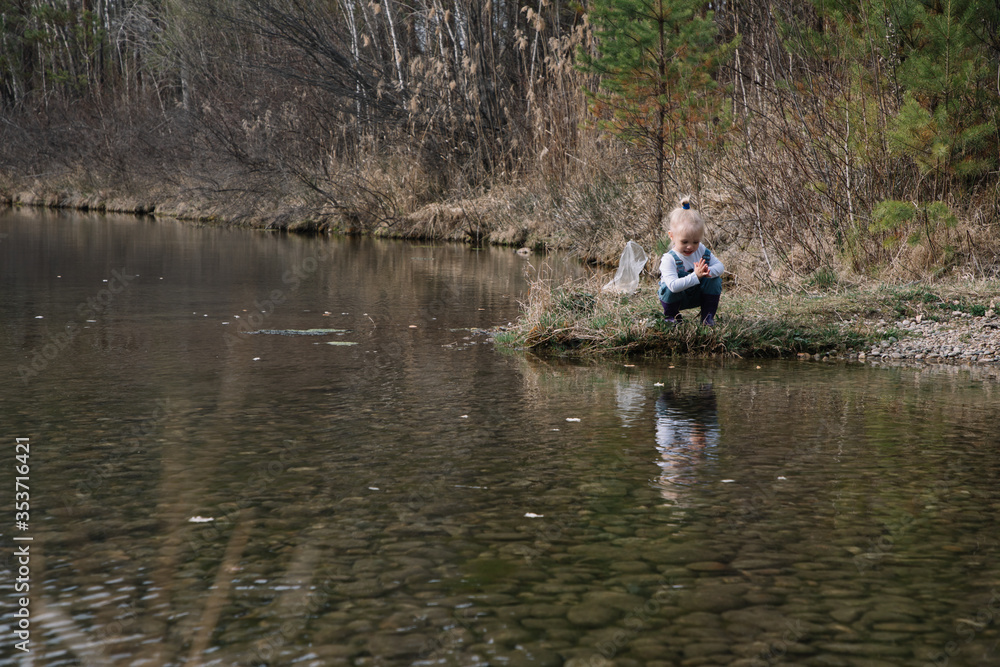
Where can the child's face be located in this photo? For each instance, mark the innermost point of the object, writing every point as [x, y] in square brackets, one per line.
[685, 239]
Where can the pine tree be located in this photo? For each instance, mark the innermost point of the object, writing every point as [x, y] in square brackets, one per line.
[937, 59]
[655, 60]
[929, 67]
[947, 122]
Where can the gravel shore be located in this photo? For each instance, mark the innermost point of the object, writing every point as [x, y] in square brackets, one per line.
[958, 338]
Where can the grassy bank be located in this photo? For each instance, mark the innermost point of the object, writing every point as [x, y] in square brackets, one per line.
[488, 218]
[579, 319]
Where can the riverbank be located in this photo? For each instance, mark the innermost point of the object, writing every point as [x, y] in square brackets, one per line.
[923, 322]
[480, 221]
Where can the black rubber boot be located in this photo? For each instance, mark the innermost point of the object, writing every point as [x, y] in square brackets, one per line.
[709, 305]
[671, 311]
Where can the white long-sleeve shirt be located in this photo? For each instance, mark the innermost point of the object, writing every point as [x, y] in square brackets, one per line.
[668, 269]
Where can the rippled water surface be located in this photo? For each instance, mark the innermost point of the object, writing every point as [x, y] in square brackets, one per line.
[392, 490]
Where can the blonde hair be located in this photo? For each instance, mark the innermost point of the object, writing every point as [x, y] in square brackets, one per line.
[686, 217]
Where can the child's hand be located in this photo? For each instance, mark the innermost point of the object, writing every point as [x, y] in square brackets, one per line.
[701, 268]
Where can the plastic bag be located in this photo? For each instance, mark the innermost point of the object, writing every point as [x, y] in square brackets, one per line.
[630, 265]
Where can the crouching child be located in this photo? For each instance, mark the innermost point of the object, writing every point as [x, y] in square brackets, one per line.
[690, 275]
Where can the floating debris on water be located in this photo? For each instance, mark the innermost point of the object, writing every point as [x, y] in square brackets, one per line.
[297, 332]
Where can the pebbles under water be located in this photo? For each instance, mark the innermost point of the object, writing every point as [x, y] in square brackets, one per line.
[859, 529]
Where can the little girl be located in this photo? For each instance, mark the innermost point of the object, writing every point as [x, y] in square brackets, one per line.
[690, 275]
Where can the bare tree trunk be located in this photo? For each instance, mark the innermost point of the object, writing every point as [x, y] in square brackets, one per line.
[396, 53]
[661, 119]
[352, 26]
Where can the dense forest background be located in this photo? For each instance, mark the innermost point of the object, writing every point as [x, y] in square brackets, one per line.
[824, 140]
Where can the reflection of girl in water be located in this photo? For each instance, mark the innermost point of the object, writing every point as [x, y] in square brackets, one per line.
[687, 432]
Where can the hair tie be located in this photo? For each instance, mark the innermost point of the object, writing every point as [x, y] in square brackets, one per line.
[686, 205]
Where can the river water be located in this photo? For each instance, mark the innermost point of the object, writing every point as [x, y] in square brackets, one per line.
[254, 449]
